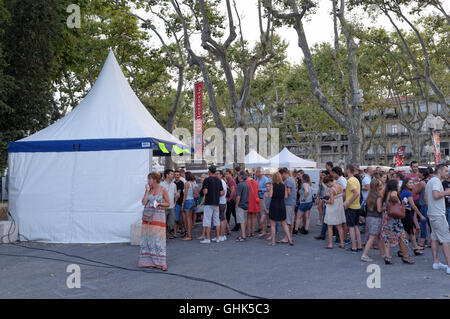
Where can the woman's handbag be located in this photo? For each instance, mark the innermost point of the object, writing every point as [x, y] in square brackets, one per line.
[396, 210]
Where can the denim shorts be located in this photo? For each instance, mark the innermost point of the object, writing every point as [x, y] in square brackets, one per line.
[188, 204]
[305, 207]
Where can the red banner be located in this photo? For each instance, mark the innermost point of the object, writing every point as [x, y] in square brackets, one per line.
[198, 120]
[399, 157]
[437, 148]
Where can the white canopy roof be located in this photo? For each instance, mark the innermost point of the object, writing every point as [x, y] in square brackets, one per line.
[110, 110]
[286, 159]
[252, 160]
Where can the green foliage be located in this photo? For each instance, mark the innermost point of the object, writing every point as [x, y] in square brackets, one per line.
[29, 39]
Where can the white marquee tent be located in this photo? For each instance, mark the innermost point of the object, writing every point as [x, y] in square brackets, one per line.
[81, 179]
[287, 159]
[251, 160]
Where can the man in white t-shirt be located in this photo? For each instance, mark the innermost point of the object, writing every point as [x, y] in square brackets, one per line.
[171, 188]
[338, 176]
[366, 183]
[222, 207]
[435, 198]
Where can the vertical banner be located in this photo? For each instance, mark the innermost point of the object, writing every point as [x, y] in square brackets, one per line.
[437, 148]
[198, 121]
[399, 157]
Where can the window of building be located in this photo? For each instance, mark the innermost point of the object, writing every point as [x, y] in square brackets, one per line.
[394, 148]
[378, 132]
[422, 107]
[394, 128]
[438, 108]
[405, 109]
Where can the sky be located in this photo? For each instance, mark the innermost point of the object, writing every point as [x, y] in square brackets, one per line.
[318, 27]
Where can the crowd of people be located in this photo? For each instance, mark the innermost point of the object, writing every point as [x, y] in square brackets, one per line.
[410, 211]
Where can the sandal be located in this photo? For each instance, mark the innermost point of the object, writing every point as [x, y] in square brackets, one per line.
[186, 238]
[341, 246]
[240, 238]
[399, 254]
[418, 252]
[291, 243]
[388, 261]
[328, 247]
[262, 235]
[407, 261]
[282, 242]
[271, 244]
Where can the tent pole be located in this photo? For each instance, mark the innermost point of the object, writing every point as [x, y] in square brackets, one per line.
[150, 158]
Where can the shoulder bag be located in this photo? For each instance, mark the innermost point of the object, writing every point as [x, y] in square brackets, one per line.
[396, 210]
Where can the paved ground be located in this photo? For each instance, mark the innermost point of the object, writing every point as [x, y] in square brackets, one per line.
[306, 270]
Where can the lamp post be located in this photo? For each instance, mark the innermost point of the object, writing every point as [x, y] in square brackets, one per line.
[433, 123]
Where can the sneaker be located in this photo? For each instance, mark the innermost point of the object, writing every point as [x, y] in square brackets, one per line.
[366, 259]
[216, 240]
[437, 266]
[448, 270]
[224, 238]
[348, 241]
[205, 241]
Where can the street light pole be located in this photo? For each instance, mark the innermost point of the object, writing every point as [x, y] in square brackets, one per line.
[433, 123]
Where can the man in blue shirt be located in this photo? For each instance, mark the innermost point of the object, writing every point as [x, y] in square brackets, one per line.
[262, 181]
[289, 182]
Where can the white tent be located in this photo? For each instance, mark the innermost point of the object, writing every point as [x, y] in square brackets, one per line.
[286, 159]
[81, 180]
[251, 160]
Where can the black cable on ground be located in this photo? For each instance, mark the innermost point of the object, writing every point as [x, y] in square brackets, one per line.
[106, 265]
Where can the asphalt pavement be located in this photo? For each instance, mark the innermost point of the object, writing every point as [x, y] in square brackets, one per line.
[228, 269]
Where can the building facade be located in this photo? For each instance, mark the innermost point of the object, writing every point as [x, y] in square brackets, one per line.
[382, 134]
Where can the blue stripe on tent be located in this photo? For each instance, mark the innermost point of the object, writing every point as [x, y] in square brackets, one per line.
[87, 145]
[80, 145]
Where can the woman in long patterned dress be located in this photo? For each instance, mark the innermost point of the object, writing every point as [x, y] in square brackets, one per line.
[153, 231]
[392, 228]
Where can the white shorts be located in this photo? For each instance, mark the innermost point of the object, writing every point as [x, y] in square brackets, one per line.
[439, 229]
[241, 215]
[290, 212]
[211, 213]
